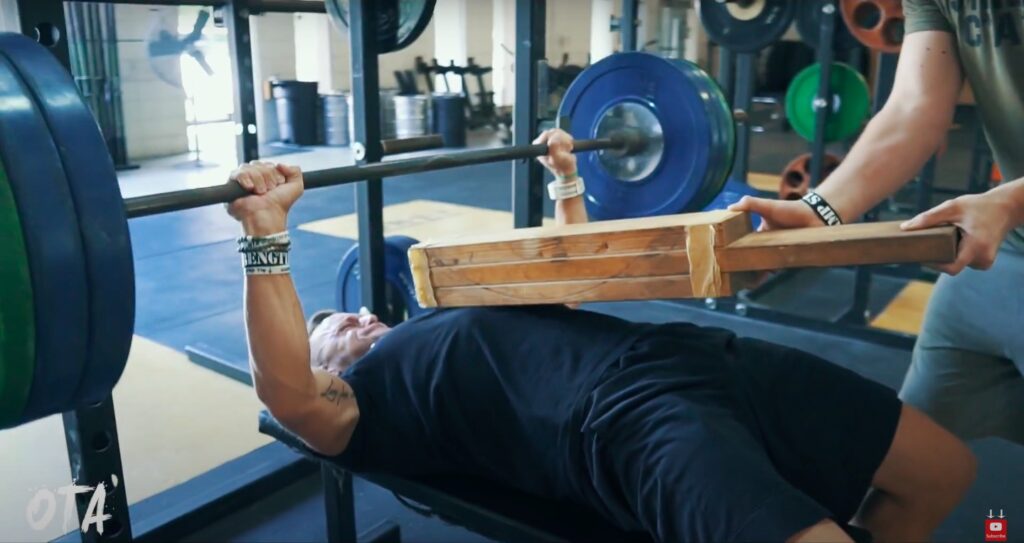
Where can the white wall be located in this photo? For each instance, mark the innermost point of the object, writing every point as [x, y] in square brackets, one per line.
[154, 112]
[9, 16]
[568, 31]
[273, 56]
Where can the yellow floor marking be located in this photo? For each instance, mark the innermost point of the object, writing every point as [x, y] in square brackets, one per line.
[767, 182]
[175, 421]
[423, 220]
[906, 311]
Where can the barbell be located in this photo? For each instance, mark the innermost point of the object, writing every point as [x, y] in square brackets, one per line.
[659, 135]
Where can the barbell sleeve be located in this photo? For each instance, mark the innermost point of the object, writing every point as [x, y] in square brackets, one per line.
[166, 202]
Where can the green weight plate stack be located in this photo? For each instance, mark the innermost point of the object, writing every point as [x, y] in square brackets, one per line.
[850, 103]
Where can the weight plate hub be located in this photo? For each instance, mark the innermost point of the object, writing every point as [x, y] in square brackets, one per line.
[877, 24]
[399, 22]
[53, 244]
[17, 324]
[689, 129]
[808, 25]
[92, 181]
[399, 286]
[850, 102]
[796, 177]
[746, 26]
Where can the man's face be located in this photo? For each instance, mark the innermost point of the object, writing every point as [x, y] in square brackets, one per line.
[343, 338]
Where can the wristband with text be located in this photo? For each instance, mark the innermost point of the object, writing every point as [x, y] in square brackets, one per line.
[822, 209]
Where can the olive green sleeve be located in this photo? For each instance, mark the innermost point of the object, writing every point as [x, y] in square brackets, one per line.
[924, 15]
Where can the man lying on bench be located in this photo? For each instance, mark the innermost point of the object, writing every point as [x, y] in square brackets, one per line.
[687, 433]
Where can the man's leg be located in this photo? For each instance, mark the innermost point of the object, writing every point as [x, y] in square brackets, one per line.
[923, 477]
[834, 435]
[966, 369]
[687, 471]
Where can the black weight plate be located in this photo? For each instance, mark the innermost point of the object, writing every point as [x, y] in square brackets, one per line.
[104, 228]
[808, 25]
[399, 22]
[53, 244]
[746, 27]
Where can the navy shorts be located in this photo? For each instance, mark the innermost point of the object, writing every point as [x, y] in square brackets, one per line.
[696, 435]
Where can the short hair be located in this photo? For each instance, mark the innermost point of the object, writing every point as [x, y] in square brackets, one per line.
[317, 318]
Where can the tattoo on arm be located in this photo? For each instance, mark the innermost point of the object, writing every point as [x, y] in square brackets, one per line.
[336, 394]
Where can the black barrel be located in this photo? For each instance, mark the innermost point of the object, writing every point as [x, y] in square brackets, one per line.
[335, 109]
[449, 118]
[296, 103]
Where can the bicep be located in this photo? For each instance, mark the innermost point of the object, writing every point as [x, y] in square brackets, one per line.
[928, 76]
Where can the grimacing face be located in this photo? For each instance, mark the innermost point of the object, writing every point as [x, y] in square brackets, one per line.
[342, 338]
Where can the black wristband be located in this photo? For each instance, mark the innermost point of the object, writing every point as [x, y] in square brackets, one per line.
[822, 209]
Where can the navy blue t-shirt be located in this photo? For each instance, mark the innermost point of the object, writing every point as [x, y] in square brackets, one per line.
[491, 392]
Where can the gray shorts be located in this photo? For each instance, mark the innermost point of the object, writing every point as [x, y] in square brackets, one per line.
[968, 361]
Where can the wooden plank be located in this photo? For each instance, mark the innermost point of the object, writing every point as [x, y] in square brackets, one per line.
[568, 292]
[847, 245]
[562, 292]
[629, 236]
[563, 269]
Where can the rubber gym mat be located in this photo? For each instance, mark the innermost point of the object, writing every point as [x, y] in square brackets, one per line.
[54, 247]
[17, 328]
[93, 184]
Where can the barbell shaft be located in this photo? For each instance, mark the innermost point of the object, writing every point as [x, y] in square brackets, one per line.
[166, 202]
[411, 145]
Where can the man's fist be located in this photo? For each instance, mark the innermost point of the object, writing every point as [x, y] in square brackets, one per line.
[274, 189]
[559, 160]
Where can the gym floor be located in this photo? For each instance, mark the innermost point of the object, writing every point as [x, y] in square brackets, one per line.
[178, 420]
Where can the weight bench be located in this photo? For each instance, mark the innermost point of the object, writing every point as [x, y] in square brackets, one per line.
[480, 506]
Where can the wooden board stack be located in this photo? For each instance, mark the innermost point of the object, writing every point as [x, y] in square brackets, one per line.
[695, 255]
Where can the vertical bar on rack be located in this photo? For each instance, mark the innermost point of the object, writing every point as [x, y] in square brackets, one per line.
[527, 174]
[236, 18]
[339, 503]
[366, 120]
[727, 73]
[823, 101]
[90, 433]
[94, 453]
[745, 74]
[629, 25]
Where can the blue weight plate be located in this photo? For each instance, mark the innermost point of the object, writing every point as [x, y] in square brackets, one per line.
[97, 198]
[747, 28]
[723, 142]
[397, 276]
[667, 90]
[731, 193]
[53, 244]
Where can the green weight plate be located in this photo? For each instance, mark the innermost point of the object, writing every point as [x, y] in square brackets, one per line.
[17, 329]
[850, 102]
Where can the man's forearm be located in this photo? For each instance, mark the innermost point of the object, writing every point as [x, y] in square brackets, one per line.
[1013, 193]
[570, 211]
[277, 335]
[890, 152]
